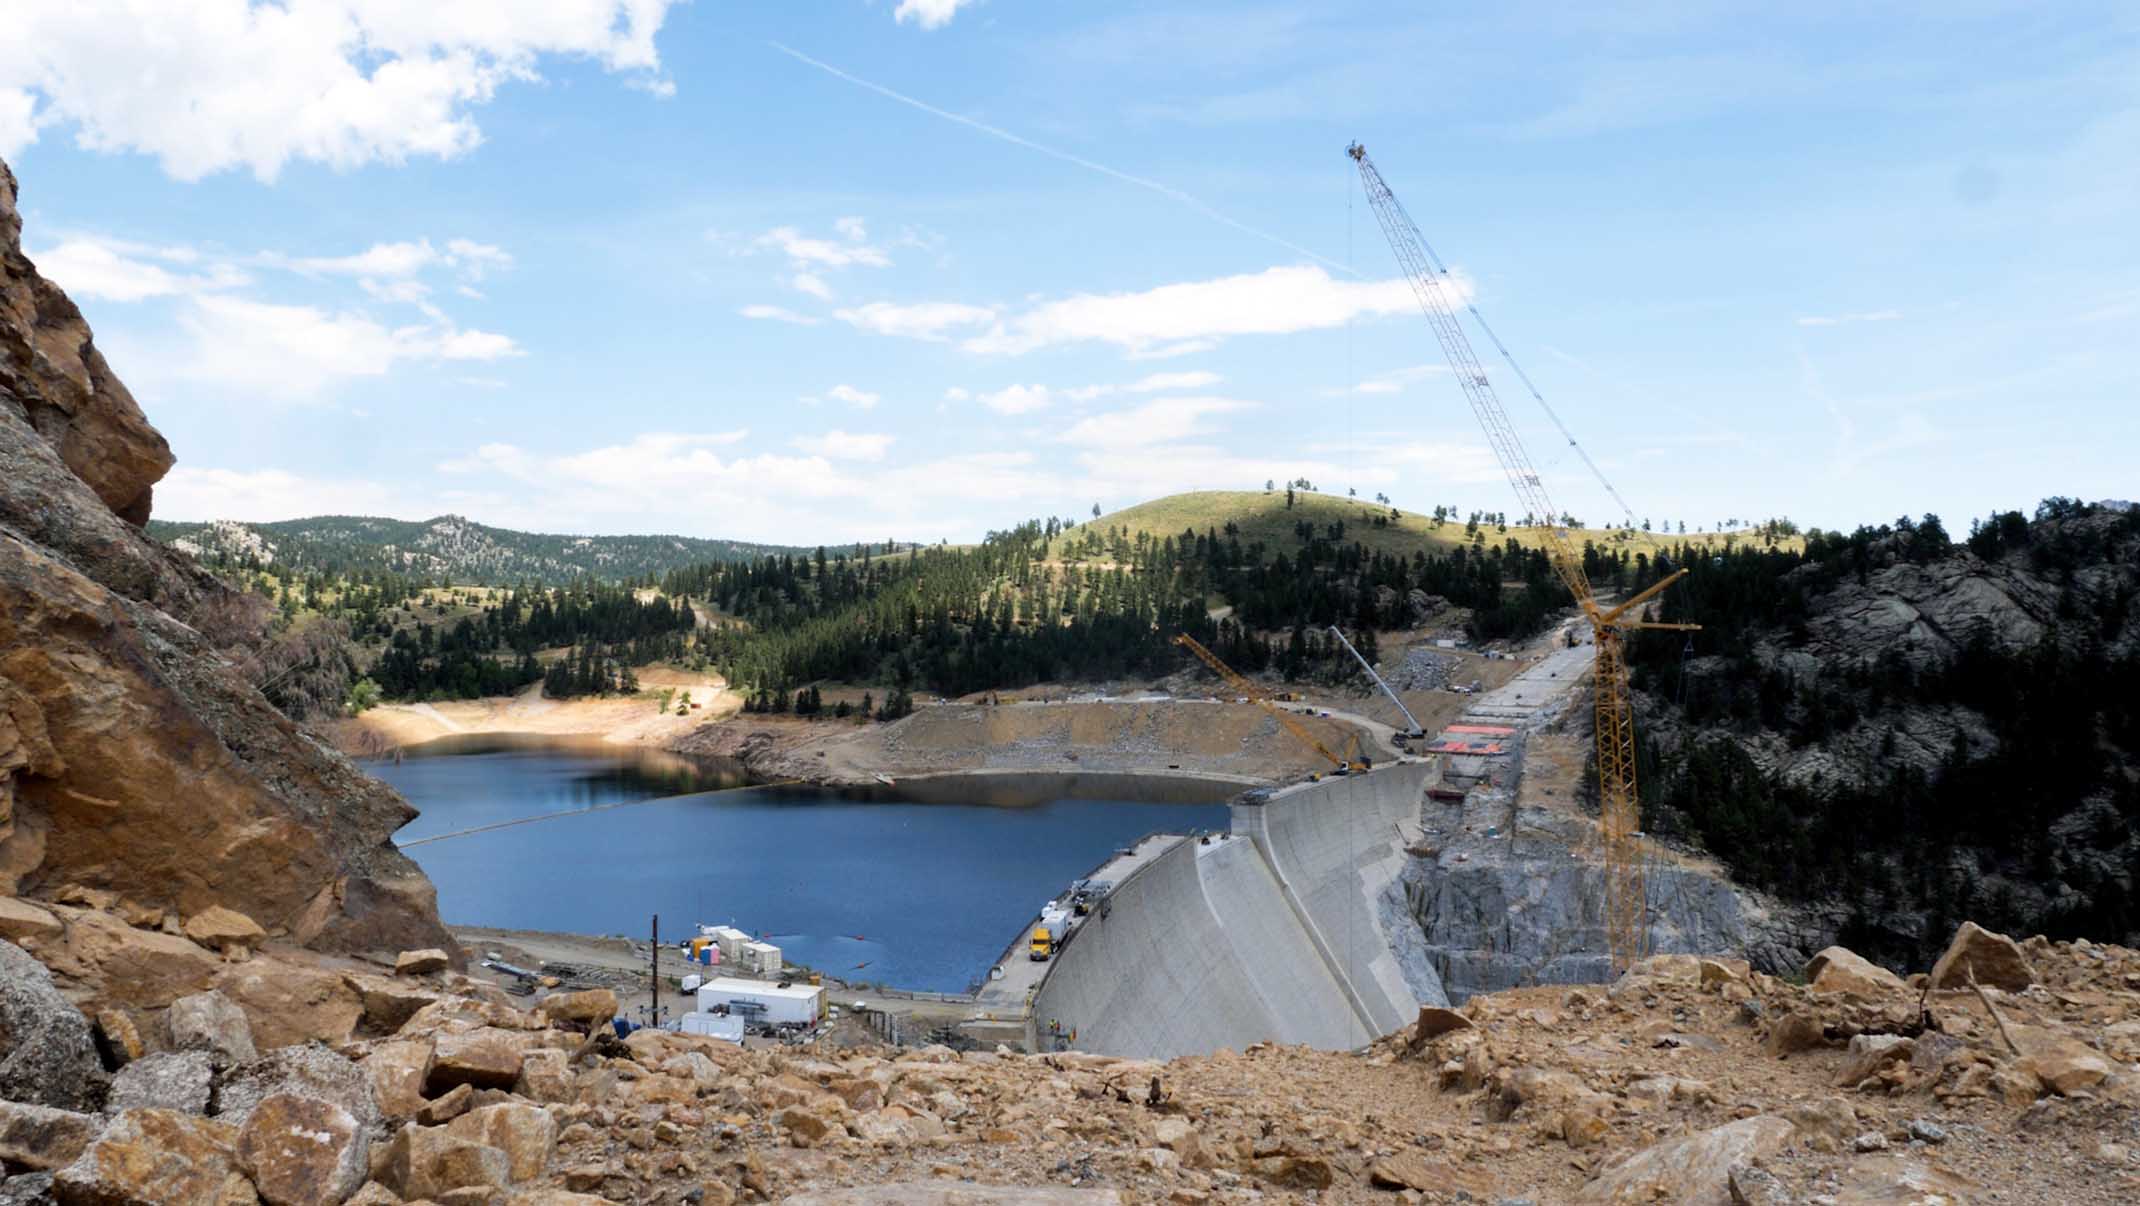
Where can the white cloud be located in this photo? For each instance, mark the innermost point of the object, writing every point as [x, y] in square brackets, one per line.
[812, 284]
[851, 228]
[380, 259]
[845, 445]
[1836, 320]
[802, 250]
[265, 495]
[1018, 399]
[111, 271]
[957, 394]
[1396, 381]
[1154, 422]
[860, 399]
[776, 314]
[1167, 381]
[1192, 316]
[1152, 384]
[931, 321]
[404, 292]
[929, 14]
[475, 258]
[295, 352]
[211, 85]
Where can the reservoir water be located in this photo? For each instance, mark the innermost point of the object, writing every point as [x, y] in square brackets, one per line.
[918, 887]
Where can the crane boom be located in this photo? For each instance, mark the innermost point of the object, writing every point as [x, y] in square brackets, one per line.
[1411, 726]
[1258, 696]
[1619, 805]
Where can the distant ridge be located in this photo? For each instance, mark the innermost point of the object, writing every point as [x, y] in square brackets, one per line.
[449, 548]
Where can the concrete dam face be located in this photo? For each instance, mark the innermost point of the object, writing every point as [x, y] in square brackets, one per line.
[1283, 929]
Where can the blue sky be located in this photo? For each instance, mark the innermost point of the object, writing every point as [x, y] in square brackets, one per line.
[627, 265]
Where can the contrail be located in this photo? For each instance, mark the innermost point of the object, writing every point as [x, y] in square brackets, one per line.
[1169, 192]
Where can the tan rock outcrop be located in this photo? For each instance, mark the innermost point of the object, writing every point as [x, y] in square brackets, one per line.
[133, 756]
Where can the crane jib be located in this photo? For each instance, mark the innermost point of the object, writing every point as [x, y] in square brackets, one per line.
[1619, 805]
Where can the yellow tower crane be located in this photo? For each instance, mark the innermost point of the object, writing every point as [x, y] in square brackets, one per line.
[1258, 695]
[1619, 806]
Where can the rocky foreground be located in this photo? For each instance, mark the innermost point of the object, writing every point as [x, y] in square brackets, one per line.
[2006, 1075]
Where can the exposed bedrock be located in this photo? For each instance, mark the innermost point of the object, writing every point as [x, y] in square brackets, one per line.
[136, 764]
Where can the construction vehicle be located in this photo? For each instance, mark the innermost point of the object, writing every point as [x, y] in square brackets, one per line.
[1264, 699]
[1411, 726]
[1619, 805]
[1043, 944]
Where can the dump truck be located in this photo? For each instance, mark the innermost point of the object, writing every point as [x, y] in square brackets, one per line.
[1043, 944]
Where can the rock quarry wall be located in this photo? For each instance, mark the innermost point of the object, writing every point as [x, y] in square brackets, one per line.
[136, 766]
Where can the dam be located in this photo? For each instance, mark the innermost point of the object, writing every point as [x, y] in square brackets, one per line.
[1278, 929]
[1329, 911]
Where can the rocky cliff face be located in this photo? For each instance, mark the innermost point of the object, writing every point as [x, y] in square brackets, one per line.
[1909, 730]
[135, 764]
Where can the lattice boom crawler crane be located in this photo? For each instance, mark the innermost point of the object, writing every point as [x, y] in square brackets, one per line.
[1619, 807]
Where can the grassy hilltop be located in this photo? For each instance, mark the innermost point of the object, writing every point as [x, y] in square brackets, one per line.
[1263, 516]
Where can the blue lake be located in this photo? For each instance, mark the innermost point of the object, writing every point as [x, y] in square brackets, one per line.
[918, 887]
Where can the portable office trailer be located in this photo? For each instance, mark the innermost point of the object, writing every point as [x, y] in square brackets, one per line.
[800, 1004]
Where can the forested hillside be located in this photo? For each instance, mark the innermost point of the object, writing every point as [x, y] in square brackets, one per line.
[448, 549]
[1004, 614]
[1912, 729]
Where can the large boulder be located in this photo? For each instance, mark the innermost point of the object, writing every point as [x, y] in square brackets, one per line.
[488, 1059]
[526, 1134]
[1840, 969]
[19, 919]
[40, 1138]
[156, 1158]
[47, 1054]
[104, 962]
[1694, 1169]
[134, 756]
[398, 1071]
[1996, 961]
[170, 1080]
[309, 1070]
[289, 1002]
[301, 1151]
[219, 929]
[212, 1023]
[425, 1162]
